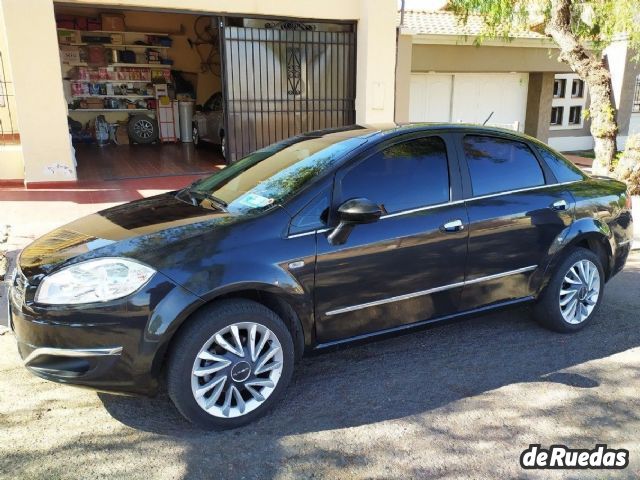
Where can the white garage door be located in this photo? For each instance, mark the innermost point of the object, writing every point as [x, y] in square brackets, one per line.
[469, 98]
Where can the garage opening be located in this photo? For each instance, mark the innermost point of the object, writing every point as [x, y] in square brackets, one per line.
[157, 93]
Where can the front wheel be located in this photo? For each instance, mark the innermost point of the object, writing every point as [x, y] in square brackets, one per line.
[230, 364]
[574, 293]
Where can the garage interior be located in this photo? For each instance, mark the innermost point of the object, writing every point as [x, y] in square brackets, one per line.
[156, 93]
[120, 67]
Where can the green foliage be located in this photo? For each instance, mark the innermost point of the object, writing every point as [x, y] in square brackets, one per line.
[598, 22]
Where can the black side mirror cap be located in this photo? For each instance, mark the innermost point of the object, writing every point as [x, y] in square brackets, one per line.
[359, 210]
[353, 212]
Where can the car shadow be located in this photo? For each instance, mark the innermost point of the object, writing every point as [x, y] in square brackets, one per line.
[415, 373]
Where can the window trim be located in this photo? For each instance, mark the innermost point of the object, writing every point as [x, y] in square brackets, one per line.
[446, 204]
[455, 188]
[547, 174]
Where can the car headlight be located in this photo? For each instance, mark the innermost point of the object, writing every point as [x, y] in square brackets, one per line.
[97, 280]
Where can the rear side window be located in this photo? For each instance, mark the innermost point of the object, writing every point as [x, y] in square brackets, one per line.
[407, 175]
[498, 165]
[563, 169]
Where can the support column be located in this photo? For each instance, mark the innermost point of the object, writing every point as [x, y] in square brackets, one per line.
[41, 109]
[539, 98]
[403, 77]
[375, 75]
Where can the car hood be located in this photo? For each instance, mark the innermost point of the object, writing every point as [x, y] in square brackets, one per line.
[136, 230]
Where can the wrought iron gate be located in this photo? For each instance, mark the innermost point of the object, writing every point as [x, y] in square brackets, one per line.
[284, 79]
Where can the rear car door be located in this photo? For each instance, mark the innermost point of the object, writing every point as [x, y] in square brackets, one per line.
[516, 208]
[409, 265]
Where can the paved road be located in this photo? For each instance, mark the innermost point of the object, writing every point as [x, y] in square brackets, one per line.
[459, 400]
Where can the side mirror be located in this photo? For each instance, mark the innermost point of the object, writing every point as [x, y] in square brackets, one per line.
[353, 212]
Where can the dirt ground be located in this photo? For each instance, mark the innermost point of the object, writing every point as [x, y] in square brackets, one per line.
[461, 400]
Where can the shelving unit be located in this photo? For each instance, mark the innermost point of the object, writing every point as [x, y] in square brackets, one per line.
[133, 110]
[116, 45]
[153, 66]
[111, 81]
[134, 96]
[156, 34]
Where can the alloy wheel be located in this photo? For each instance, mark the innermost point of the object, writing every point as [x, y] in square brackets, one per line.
[236, 370]
[143, 128]
[579, 292]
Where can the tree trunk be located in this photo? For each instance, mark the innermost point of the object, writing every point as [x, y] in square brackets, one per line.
[595, 74]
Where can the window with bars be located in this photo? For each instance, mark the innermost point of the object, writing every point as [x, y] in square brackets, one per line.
[559, 86]
[556, 115]
[577, 88]
[575, 115]
[636, 96]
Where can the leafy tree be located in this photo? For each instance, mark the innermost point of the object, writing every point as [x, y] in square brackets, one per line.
[581, 30]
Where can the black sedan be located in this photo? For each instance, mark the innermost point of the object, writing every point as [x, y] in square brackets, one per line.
[322, 239]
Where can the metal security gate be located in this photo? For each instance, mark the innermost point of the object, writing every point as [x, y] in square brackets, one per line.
[283, 79]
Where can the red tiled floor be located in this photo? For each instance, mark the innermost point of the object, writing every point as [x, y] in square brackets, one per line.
[118, 162]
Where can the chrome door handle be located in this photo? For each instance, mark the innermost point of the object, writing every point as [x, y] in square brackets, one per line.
[453, 226]
[559, 205]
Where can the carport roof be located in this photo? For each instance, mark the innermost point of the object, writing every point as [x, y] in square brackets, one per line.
[445, 23]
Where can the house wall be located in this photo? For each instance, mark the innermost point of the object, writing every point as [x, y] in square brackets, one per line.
[541, 61]
[39, 89]
[469, 58]
[624, 69]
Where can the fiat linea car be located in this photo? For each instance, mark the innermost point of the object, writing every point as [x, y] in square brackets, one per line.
[215, 290]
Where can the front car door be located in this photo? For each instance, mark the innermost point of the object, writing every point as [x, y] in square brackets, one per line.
[516, 208]
[409, 265]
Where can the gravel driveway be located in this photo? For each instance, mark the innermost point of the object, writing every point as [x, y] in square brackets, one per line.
[458, 400]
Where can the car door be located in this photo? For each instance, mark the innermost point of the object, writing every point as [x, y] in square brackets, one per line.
[409, 265]
[516, 210]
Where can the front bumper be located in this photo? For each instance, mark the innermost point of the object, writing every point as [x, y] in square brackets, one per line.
[116, 346]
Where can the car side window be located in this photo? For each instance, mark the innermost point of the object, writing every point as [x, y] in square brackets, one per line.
[406, 175]
[314, 216]
[498, 165]
[563, 169]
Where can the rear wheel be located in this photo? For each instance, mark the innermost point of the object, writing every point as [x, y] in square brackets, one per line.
[574, 293]
[230, 364]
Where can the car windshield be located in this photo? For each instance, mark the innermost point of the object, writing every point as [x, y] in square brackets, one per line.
[275, 173]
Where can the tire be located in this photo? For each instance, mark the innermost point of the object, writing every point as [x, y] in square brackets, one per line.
[142, 129]
[218, 380]
[567, 285]
[223, 146]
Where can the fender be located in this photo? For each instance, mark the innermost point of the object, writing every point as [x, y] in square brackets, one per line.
[582, 229]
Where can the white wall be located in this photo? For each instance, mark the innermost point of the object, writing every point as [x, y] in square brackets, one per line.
[571, 144]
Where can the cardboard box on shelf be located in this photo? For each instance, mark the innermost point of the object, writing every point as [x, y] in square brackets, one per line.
[112, 22]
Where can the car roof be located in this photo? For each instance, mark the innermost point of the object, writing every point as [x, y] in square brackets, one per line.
[377, 132]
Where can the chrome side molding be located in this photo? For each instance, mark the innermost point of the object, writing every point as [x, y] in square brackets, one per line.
[421, 293]
[72, 352]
